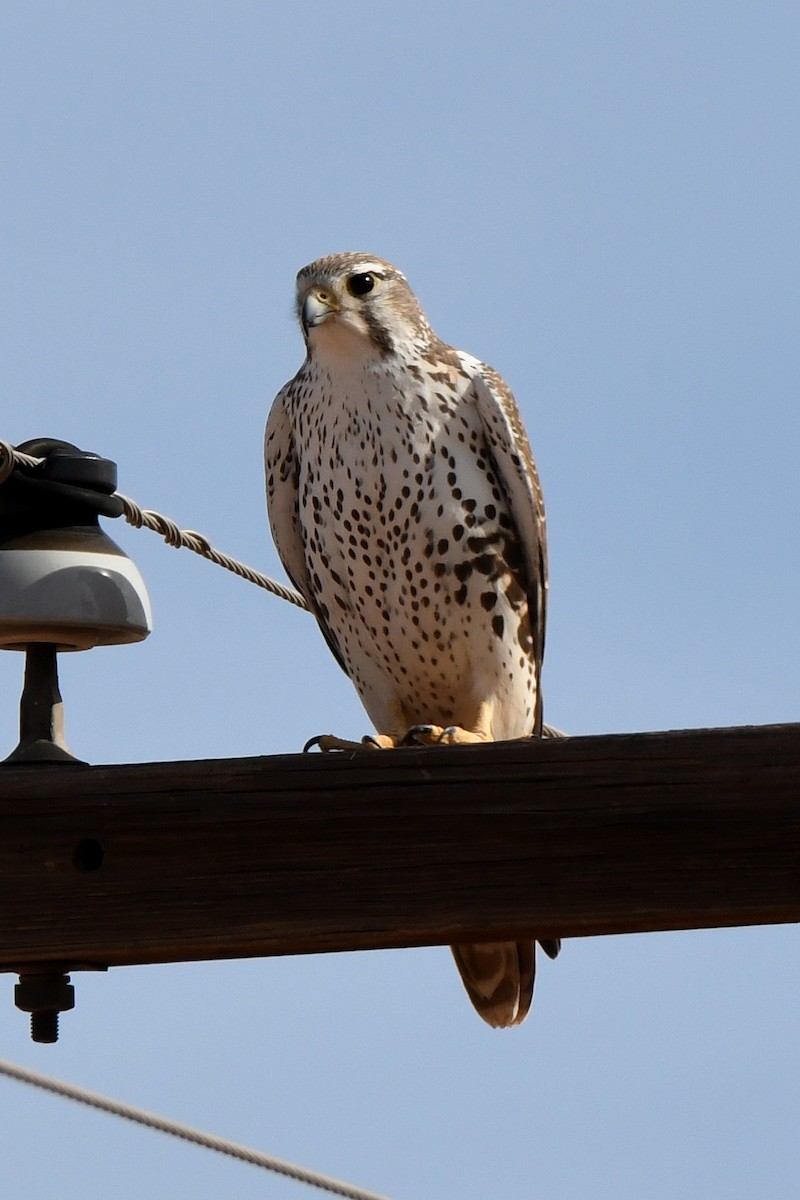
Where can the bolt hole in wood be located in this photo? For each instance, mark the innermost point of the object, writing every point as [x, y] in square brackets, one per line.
[88, 855]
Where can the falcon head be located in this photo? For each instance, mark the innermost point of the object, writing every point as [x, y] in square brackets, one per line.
[358, 304]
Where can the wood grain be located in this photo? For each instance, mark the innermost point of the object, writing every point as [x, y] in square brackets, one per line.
[167, 862]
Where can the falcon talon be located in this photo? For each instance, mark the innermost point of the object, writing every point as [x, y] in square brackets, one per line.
[329, 743]
[405, 505]
[418, 735]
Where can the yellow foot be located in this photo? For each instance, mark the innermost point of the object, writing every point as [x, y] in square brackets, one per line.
[328, 742]
[435, 735]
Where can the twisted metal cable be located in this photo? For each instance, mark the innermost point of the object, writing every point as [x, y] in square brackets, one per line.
[11, 458]
[190, 539]
[186, 1132]
[187, 539]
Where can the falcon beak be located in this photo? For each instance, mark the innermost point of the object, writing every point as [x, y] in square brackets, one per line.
[317, 307]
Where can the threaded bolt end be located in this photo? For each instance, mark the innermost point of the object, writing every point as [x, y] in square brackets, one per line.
[44, 1026]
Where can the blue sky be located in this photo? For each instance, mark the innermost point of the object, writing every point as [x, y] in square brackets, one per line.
[600, 199]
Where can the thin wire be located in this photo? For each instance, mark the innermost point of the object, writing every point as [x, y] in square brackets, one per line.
[207, 1140]
[187, 539]
[191, 540]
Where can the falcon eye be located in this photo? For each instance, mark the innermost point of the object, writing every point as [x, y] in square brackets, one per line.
[361, 284]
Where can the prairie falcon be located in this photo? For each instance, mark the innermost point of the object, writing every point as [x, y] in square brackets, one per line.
[406, 508]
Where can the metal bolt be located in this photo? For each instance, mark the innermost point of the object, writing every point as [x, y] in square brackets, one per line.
[44, 997]
[44, 1026]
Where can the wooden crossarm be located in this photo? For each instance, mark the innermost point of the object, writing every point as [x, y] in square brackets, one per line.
[168, 862]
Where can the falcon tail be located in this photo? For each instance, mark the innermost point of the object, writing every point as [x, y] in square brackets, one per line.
[499, 978]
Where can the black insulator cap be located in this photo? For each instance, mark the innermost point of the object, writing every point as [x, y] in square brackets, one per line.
[69, 487]
[65, 463]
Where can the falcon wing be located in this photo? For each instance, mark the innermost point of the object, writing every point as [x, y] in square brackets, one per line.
[508, 442]
[282, 470]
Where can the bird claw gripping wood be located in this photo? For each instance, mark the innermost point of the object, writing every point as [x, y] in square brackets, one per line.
[329, 743]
